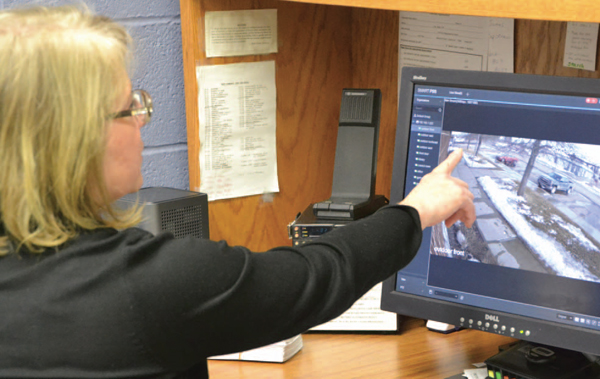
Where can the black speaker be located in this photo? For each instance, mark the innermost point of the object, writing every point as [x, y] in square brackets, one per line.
[183, 213]
[355, 165]
[355, 168]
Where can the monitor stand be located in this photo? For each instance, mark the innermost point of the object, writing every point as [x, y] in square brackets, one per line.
[441, 327]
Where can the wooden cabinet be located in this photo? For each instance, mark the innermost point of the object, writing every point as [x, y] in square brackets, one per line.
[328, 45]
[555, 10]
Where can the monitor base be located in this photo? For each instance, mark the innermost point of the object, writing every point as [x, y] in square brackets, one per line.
[441, 327]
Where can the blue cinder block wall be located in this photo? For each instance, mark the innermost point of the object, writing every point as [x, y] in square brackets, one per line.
[158, 68]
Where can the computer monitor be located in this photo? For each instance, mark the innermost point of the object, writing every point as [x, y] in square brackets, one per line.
[529, 267]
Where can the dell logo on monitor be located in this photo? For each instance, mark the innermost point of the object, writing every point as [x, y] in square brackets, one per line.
[492, 318]
[418, 77]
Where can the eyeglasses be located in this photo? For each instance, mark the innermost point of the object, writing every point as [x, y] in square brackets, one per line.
[141, 107]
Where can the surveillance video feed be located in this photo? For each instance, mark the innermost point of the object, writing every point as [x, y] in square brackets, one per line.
[537, 205]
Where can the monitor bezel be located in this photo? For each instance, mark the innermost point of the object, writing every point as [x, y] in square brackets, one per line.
[541, 331]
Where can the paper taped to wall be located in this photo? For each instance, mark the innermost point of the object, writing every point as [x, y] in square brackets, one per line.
[237, 114]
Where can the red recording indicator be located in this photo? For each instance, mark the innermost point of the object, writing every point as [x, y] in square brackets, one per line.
[591, 100]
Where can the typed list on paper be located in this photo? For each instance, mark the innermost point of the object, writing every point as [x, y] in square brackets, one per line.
[237, 115]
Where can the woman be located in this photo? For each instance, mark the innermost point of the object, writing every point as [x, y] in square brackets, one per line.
[83, 293]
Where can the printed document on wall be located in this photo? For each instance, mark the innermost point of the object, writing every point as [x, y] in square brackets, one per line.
[237, 111]
[456, 42]
[234, 33]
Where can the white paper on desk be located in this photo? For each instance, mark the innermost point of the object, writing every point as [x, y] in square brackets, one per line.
[364, 315]
[455, 42]
[580, 45]
[237, 111]
[235, 33]
[278, 352]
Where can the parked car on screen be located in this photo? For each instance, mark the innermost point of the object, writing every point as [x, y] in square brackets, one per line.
[555, 182]
[509, 161]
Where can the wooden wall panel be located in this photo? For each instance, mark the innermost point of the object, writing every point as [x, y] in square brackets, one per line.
[312, 66]
[375, 65]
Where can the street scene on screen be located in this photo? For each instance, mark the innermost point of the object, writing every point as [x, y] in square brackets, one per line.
[537, 205]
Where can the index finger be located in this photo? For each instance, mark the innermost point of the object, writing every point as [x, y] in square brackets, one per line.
[448, 165]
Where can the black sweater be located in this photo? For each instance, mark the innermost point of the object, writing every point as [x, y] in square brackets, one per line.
[126, 304]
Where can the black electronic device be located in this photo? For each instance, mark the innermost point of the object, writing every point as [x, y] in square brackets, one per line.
[353, 190]
[306, 227]
[523, 360]
[529, 268]
[183, 213]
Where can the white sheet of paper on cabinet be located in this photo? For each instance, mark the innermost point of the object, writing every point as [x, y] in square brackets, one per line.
[456, 42]
[236, 33]
[501, 44]
[237, 114]
[580, 45]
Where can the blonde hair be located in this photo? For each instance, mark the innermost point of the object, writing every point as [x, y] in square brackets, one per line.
[61, 72]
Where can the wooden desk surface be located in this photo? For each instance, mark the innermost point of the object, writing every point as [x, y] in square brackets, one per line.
[415, 353]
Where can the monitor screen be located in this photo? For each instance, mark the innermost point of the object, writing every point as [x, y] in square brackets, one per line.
[530, 265]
